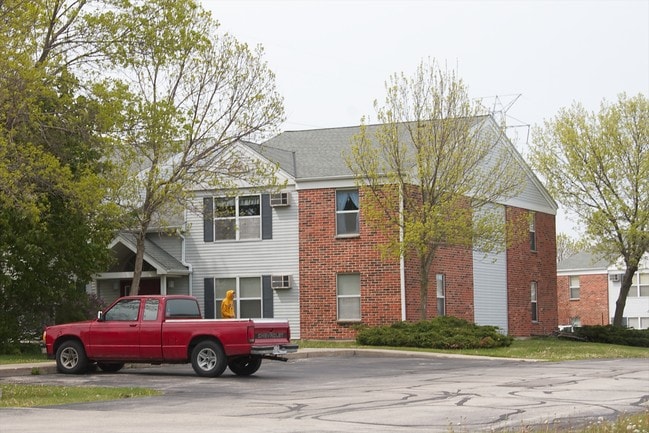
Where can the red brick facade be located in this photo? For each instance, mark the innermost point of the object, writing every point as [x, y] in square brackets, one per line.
[525, 266]
[323, 256]
[591, 308]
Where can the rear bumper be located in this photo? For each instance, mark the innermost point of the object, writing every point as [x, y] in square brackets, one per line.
[278, 349]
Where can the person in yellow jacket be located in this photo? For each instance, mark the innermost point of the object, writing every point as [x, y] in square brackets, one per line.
[227, 305]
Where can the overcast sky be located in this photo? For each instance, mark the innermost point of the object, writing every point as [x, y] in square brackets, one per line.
[332, 58]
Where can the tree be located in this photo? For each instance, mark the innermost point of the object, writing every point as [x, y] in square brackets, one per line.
[446, 163]
[597, 165]
[567, 246]
[191, 95]
[54, 219]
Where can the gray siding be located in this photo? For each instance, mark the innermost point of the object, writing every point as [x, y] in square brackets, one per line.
[490, 287]
[276, 256]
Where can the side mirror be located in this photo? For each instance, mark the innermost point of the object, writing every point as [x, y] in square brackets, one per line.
[100, 316]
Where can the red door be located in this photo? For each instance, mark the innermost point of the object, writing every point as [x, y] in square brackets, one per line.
[117, 335]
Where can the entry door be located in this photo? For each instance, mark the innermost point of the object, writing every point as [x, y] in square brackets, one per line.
[117, 336]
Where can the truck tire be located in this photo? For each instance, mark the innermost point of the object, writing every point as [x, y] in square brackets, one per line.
[71, 358]
[208, 359]
[245, 365]
[110, 367]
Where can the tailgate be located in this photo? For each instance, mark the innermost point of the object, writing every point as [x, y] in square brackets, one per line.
[272, 337]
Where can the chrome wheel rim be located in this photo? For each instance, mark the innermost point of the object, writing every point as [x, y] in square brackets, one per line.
[206, 359]
[69, 357]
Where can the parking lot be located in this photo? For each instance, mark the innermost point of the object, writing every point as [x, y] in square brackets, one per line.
[367, 393]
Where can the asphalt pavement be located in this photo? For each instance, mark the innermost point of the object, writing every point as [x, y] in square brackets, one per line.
[347, 390]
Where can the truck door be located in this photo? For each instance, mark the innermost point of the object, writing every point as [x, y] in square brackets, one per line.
[117, 335]
[151, 331]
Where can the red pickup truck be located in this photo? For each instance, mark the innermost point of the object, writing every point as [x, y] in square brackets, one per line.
[166, 329]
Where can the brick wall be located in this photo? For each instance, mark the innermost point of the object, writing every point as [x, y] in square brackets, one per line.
[525, 266]
[592, 305]
[323, 256]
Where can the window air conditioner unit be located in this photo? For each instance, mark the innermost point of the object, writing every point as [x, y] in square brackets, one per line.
[279, 199]
[615, 277]
[280, 281]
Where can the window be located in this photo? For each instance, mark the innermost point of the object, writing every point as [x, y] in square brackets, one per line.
[126, 309]
[532, 217]
[347, 212]
[535, 307]
[639, 285]
[348, 293]
[182, 309]
[441, 294]
[237, 218]
[574, 287]
[151, 309]
[247, 295]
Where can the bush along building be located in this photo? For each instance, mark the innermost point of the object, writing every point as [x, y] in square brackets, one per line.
[307, 254]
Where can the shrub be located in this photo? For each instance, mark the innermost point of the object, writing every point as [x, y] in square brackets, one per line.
[439, 333]
[614, 335]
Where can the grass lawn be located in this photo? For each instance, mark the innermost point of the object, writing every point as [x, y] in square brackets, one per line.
[14, 395]
[542, 348]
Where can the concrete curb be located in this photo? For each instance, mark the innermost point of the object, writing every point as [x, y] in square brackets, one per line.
[49, 367]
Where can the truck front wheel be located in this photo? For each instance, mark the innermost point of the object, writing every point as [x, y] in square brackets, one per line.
[71, 358]
[208, 359]
[245, 365]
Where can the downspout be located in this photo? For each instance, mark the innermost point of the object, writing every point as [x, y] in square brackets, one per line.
[189, 266]
[402, 261]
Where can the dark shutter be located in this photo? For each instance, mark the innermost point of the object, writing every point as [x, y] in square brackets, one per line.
[208, 295]
[208, 219]
[266, 217]
[267, 296]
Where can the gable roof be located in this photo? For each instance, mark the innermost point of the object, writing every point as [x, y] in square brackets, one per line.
[157, 257]
[315, 153]
[318, 154]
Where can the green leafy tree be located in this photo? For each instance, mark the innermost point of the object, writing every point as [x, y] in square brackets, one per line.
[567, 246]
[54, 219]
[191, 94]
[443, 160]
[597, 165]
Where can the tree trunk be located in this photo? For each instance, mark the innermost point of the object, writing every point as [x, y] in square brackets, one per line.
[624, 292]
[423, 289]
[139, 261]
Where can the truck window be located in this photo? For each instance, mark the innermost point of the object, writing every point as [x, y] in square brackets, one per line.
[182, 309]
[151, 309]
[126, 309]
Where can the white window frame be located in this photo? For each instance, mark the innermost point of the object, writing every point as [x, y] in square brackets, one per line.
[238, 219]
[440, 280]
[640, 284]
[574, 286]
[533, 240]
[340, 213]
[347, 297]
[234, 283]
[534, 296]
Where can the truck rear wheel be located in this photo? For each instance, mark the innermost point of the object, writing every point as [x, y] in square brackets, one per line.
[208, 359]
[245, 365]
[71, 358]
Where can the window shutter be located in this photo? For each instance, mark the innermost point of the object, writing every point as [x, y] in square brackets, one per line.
[208, 296]
[266, 217]
[208, 219]
[267, 296]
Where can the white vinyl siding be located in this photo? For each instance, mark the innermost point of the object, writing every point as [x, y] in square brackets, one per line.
[490, 285]
[253, 258]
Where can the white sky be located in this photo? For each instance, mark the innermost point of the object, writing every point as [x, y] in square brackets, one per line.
[332, 58]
